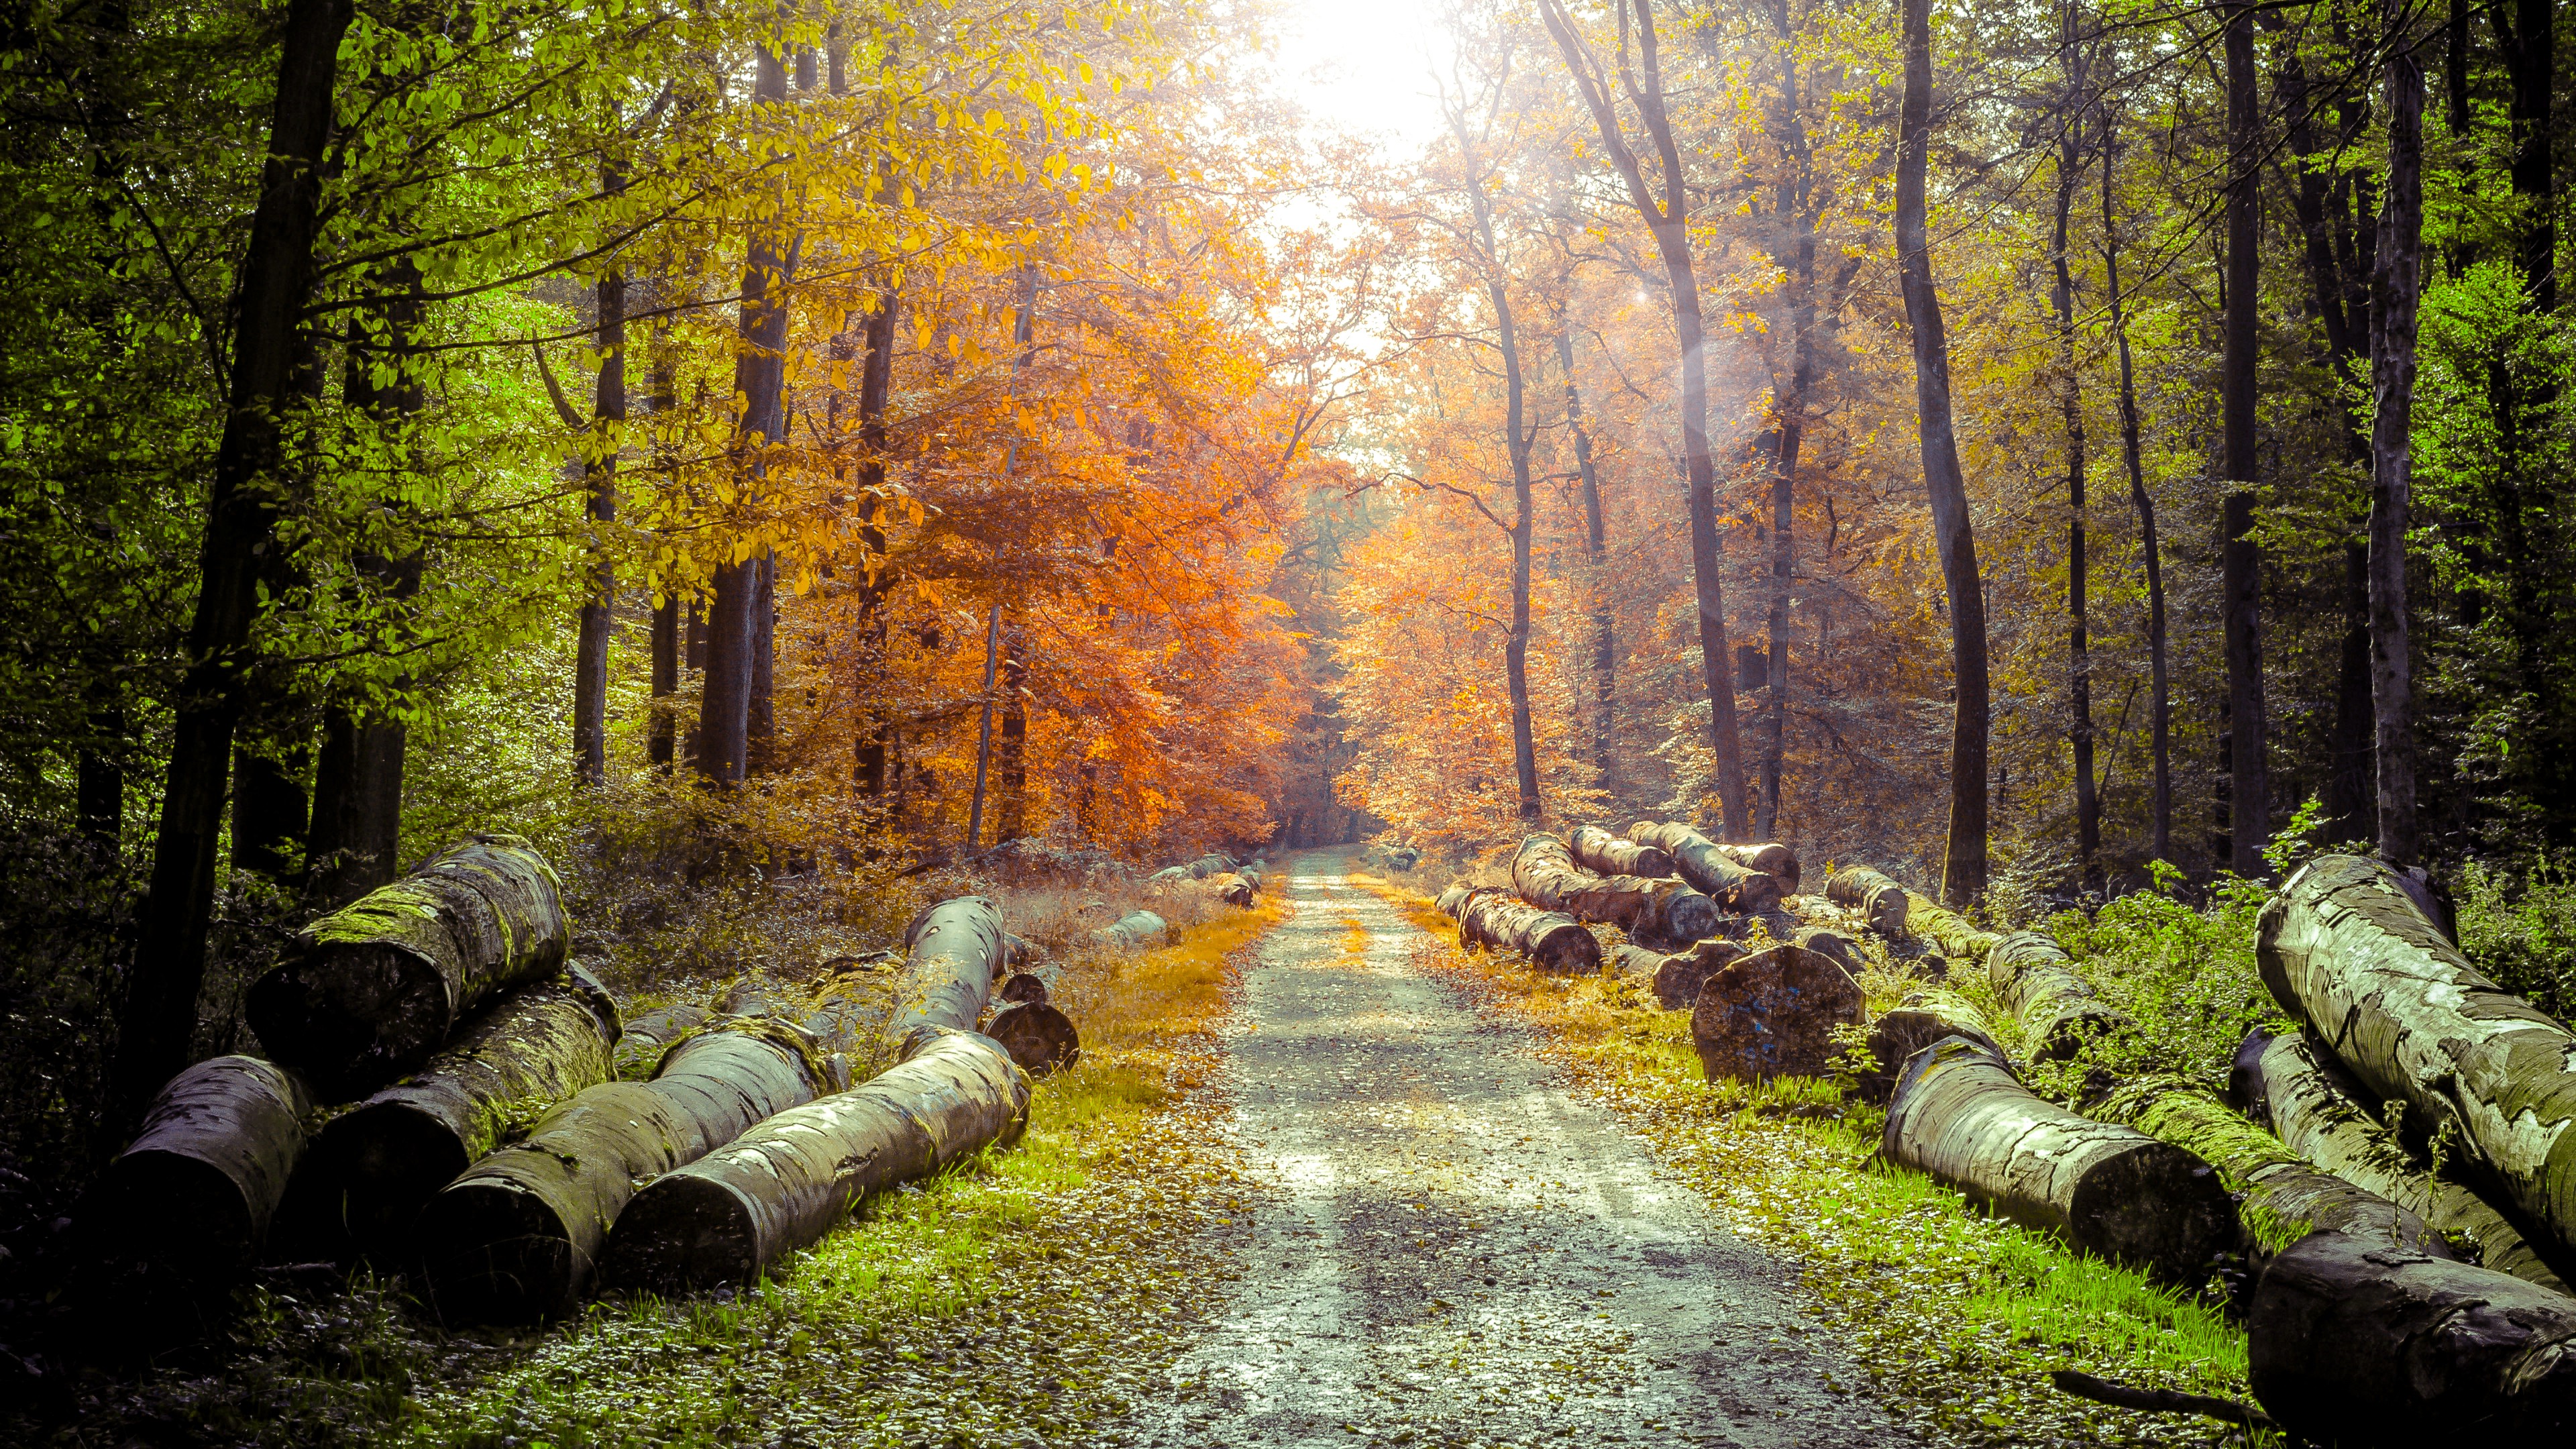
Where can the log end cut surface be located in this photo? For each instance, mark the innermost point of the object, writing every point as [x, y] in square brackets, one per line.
[498, 1253]
[688, 1231]
[1038, 1037]
[352, 1018]
[1772, 1014]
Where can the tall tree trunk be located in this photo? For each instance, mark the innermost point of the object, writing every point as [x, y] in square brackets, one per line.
[2396, 285]
[608, 417]
[1596, 553]
[271, 809]
[2160, 713]
[984, 730]
[760, 717]
[2079, 663]
[669, 628]
[876, 386]
[2241, 564]
[1669, 222]
[1015, 739]
[2531, 63]
[1789, 409]
[159, 1015]
[1963, 871]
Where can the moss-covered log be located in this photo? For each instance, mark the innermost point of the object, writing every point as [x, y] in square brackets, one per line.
[2289, 1085]
[494, 1078]
[642, 1040]
[1960, 1115]
[2361, 1342]
[1708, 868]
[1038, 1037]
[2284, 1198]
[1770, 858]
[1544, 872]
[953, 952]
[1881, 903]
[1773, 1014]
[369, 991]
[1552, 940]
[196, 1189]
[516, 1238]
[2059, 1011]
[1922, 1018]
[2345, 948]
[786, 1182]
[1133, 932]
[1947, 929]
[1599, 851]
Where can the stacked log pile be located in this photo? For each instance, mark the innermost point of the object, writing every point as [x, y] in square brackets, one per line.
[1546, 875]
[1710, 869]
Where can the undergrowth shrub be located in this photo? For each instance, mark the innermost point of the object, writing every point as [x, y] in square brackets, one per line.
[2519, 926]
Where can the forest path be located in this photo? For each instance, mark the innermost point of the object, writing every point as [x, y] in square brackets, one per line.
[1453, 1248]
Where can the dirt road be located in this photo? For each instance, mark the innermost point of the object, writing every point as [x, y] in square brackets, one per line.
[1456, 1250]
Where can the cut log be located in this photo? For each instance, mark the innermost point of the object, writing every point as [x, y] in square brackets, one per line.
[1635, 965]
[2284, 1199]
[1603, 853]
[2291, 1086]
[2344, 947]
[1038, 1037]
[1023, 986]
[369, 991]
[1678, 977]
[1961, 1116]
[1134, 931]
[1169, 875]
[516, 1238]
[1544, 872]
[1208, 865]
[502, 1070]
[2058, 1010]
[1881, 902]
[1709, 869]
[1771, 858]
[1947, 929]
[954, 950]
[1453, 901]
[1922, 1018]
[196, 1189]
[1828, 942]
[2357, 1342]
[1552, 940]
[1230, 889]
[786, 1182]
[1772, 1014]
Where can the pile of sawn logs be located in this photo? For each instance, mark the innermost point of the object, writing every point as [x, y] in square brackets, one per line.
[2401, 1170]
[447, 1095]
[1221, 876]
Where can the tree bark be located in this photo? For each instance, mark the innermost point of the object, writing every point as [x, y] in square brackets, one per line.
[2241, 564]
[1677, 978]
[1544, 872]
[1703, 864]
[1772, 1014]
[642, 1041]
[2362, 1342]
[2079, 663]
[1596, 849]
[876, 390]
[1882, 903]
[608, 418]
[665, 680]
[2160, 713]
[1789, 416]
[1596, 554]
[197, 1188]
[368, 992]
[517, 1237]
[393, 1152]
[2297, 1090]
[2059, 1011]
[1015, 738]
[2395, 288]
[2531, 65]
[2107, 1190]
[1921, 1019]
[1947, 929]
[1963, 871]
[789, 1180]
[1552, 940]
[953, 952]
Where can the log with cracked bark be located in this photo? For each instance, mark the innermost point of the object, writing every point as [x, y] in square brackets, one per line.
[788, 1180]
[2361, 1342]
[641, 1042]
[1544, 872]
[1603, 853]
[1881, 903]
[952, 953]
[369, 991]
[1552, 940]
[1772, 1014]
[1947, 929]
[198, 1186]
[1961, 1116]
[2059, 1011]
[2288, 1084]
[1710, 869]
[516, 1238]
[2345, 947]
[1922, 1018]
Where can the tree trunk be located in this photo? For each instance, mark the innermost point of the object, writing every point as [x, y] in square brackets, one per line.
[2283, 1199]
[876, 389]
[197, 1188]
[1704, 865]
[1882, 903]
[953, 952]
[1133, 932]
[99, 779]
[791, 1179]
[1596, 849]
[1544, 872]
[1596, 554]
[1553, 941]
[392, 1153]
[2079, 663]
[2362, 1342]
[2531, 65]
[2160, 713]
[1921, 1019]
[2241, 564]
[2345, 947]
[1789, 417]
[516, 1238]
[642, 1041]
[984, 727]
[2059, 1011]
[368, 992]
[1963, 871]
[2110, 1191]
[1772, 1014]
[608, 418]
[2395, 287]
[1040, 1038]
[1947, 929]
[2289, 1085]
[666, 680]
[1015, 738]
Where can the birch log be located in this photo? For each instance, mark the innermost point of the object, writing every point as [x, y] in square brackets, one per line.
[369, 991]
[1960, 1115]
[1710, 869]
[197, 1187]
[1881, 902]
[1771, 858]
[1947, 929]
[1552, 940]
[1922, 1018]
[1133, 932]
[1599, 851]
[2058, 1010]
[953, 951]
[1544, 872]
